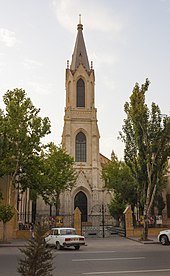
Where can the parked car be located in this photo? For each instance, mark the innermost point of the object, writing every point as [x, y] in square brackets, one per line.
[64, 237]
[164, 237]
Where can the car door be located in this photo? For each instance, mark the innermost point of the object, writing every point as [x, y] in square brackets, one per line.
[49, 238]
[54, 236]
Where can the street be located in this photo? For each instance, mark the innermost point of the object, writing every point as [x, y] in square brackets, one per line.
[114, 256]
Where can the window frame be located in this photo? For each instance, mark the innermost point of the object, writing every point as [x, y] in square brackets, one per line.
[80, 147]
[80, 93]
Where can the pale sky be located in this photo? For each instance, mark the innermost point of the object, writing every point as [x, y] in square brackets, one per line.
[127, 40]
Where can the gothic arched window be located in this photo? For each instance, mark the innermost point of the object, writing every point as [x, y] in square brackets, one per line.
[80, 147]
[80, 93]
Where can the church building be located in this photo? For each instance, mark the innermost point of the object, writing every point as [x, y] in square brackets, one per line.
[80, 137]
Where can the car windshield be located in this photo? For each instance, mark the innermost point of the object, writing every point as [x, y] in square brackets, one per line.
[67, 231]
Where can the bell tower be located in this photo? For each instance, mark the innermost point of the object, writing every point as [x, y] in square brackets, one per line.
[80, 135]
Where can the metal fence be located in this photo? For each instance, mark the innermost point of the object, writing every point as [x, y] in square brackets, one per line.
[99, 226]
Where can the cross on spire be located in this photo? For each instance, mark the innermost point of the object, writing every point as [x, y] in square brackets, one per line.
[79, 18]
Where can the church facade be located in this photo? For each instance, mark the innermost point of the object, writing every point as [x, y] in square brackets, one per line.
[80, 137]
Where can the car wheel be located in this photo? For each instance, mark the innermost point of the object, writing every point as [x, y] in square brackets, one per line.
[77, 247]
[164, 240]
[58, 246]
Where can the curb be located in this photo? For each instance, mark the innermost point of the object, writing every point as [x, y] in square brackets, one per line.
[20, 243]
[144, 242]
[11, 245]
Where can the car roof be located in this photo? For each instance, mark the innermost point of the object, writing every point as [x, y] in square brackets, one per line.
[61, 228]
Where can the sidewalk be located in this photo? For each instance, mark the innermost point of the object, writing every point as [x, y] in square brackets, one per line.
[151, 240]
[14, 243]
[22, 243]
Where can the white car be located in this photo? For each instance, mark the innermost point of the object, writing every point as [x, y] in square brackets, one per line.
[64, 237]
[164, 237]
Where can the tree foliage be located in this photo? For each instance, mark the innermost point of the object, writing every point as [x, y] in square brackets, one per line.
[117, 207]
[45, 170]
[37, 260]
[59, 174]
[146, 134]
[1, 196]
[6, 214]
[33, 176]
[118, 177]
[21, 130]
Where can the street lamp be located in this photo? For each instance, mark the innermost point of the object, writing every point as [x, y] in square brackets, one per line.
[103, 222]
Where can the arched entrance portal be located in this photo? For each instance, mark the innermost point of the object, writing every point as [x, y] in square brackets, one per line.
[80, 201]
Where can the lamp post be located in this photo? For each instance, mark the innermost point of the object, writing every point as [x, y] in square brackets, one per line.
[103, 211]
[103, 233]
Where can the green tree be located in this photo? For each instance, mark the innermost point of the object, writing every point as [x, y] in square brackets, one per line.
[20, 134]
[146, 134]
[117, 207]
[118, 177]
[59, 174]
[38, 258]
[3, 141]
[32, 177]
[6, 214]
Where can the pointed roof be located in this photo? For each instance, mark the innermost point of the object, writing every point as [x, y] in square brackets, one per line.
[79, 55]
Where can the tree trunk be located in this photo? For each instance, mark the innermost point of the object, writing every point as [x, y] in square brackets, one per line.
[147, 205]
[145, 228]
[10, 191]
[50, 210]
[57, 205]
[4, 238]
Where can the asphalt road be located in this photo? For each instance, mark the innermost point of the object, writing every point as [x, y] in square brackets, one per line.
[114, 256]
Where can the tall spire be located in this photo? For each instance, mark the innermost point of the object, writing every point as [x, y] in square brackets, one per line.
[79, 55]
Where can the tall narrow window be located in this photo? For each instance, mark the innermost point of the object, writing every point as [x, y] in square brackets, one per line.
[69, 90]
[80, 93]
[80, 147]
